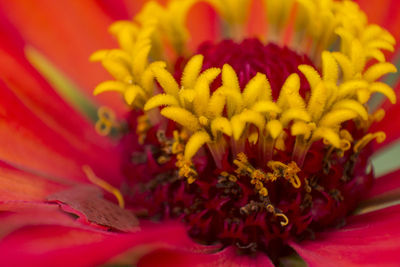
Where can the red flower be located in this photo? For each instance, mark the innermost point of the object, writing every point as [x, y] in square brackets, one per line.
[54, 215]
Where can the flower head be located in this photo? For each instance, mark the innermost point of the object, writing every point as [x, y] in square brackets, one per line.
[272, 140]
[255, 143]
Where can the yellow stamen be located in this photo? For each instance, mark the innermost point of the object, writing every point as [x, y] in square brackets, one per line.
[234, 12]
[289, 172]
[263, 191]
[103, 184]
[166, 81]
[194, 143]
[270, 208]
[186, 169]
[346, 135]
[192, 71]
[379, 136]
[284, 217]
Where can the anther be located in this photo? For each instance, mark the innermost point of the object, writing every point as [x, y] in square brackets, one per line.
[106, 121]
[186, 169]
[289, 172]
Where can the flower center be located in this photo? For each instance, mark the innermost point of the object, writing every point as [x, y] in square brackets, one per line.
[251, 57]
[265, 185]
[249, 144]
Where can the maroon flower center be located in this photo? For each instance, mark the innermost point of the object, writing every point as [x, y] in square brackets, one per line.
[222, 205]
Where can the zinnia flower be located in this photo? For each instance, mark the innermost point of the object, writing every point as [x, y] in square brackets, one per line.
[245, 137]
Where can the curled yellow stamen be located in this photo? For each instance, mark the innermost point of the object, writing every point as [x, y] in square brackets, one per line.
[103, 184]
[289, 172]
[284, 217]
[263, 191]
[379, 136]
[346, 135]
[106, 121]
[270, 208]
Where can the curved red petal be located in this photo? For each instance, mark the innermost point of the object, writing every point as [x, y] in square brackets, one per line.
[182, 258]
[18, 214]
[371, 239]
[56, 245]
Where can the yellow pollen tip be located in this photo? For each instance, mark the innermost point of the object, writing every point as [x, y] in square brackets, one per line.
[186, 169]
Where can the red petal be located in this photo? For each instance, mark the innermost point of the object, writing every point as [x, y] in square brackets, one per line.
[41, 99]
[384, 13]
[117, 10]
[69, 246]
[67, 32]
[18, 214]
[385, 184]
[376, 10]
[207, 30]
[391, 129]
[256, 26]
[384, 193]
[371, 239]
[182, 258]
[28, 142]
[19, 185]
[35, 110]
[133, 7]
